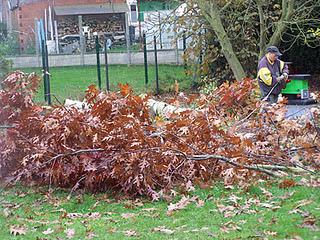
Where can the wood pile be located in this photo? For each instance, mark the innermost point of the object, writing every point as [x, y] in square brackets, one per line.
[112, 24]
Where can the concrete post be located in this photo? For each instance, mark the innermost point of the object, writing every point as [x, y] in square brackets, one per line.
[82, 45]
[56, 36]
[128, 39]
[37, 44]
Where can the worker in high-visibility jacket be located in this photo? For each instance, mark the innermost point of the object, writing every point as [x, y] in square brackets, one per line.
[272, 74]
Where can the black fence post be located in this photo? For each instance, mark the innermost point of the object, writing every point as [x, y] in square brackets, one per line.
[47, 75]
[145, 58]
[184, 39]
[98, 61]
[107, 64]
[156, 63]
[43, 54]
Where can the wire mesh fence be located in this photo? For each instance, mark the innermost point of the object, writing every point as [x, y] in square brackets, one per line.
[73, 51]
[70, 74]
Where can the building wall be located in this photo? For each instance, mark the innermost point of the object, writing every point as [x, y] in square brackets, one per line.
[29, 10]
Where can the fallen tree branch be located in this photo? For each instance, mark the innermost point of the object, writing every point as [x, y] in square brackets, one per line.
[299, 168]
[6, 126]
[76, 186]
[282, 168]
[229, 161]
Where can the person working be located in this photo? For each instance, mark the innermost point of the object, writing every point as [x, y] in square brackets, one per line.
[272, 74]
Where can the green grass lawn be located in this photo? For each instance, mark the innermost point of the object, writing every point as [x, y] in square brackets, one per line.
[261, 211]
[71, 82]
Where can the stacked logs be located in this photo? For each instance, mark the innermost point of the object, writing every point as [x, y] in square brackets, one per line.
[112, 25]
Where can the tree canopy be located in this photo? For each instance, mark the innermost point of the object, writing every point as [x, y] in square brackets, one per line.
[233, 35]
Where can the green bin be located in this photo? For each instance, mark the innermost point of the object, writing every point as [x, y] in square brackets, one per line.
[297, 85]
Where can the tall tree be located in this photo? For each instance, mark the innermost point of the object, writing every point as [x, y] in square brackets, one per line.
[242, 29]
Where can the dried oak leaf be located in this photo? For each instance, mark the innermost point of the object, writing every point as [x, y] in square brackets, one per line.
[128, 215]
[163, 229]
[130, 233]
[287, 183]
[183, 203]
[48, 231]
[18, 230]
[70, 233]
[310, 223]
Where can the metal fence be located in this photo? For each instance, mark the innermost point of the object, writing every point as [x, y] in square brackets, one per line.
[148, 62]
[68, 75]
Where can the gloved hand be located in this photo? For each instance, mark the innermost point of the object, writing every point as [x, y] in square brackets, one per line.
[285, 76]
[281, 78]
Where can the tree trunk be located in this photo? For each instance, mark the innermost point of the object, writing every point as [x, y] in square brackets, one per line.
[211, 13]
[287, 10]
[263, 30]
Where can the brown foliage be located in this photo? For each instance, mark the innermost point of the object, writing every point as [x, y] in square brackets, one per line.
[115, 145]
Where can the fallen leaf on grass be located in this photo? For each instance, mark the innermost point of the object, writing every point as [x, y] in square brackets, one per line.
[303, 203]
[304, 214]
[190, 187]
[200, 203]
[180, 228]
[112, 230]
[269, 205]
[204, 229]
[229, 187]
[90, 235]
[21, 194]
[70, 233]
[6, 212]
[94, 206]
[110, 213]
[270, 233]
[236, 209]
[133, 204]
[310, 223]
[286, 195]
[287, 183]
[312, 182]
[163, 229]
[183, 203]
[10, 205]
[130, 233]
[111, 220]
[74, 215]
[260, 220]
[18, 230]
[266, 193]
[227, 211]
[234, 199]
[229, 226]
[149, 209]
[242, 221]
[48, 231]
[93, 215]
[128, 215]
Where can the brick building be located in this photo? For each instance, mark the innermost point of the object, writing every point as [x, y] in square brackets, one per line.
[20, 15]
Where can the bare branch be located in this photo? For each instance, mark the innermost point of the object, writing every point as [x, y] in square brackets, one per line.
[263, 28]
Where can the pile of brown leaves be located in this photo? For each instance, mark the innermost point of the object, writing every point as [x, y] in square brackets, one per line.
[116, 145]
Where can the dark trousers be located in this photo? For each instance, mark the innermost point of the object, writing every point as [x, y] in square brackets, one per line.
[273, 98]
